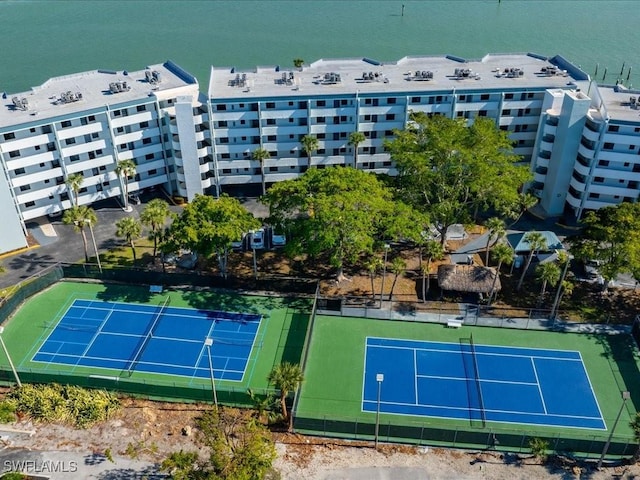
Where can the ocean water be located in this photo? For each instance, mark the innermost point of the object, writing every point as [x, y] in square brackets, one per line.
[40, 39]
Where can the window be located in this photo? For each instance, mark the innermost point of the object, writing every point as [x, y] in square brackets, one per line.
[226, 156]
[146, 141]
[484, 96]
[37, 147]
[83, 121]
[391, 101]
[482, 113]
[46, 129]
[321, 136]
[144, 124]
[148, 156]
[74, 158]
[70, 141]
[91, 118]
[415, 99]
[273, 169]
[508, 96]
[221, 108]
[120, 130]
[222, 124]
[66, 124]
[102, 168]
[24, 188]
[30, 204]
[603, 163]
[117, 113]
[598, 179]
[270, 105]
[95, 135]
[19, 171]
[224, 140]
[271, 138]
[390, 116]
[87, 138]
[608, 146]
[32, 130]
[506, 112]
[321, 103]
[141, 108]
[594, 195]
[14, 154]
[153, 171]
[613, 128]
[320, 120]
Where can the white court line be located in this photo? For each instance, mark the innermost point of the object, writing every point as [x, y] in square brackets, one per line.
[97, 333]
[483, 380]
[415, 372]
[535, 372]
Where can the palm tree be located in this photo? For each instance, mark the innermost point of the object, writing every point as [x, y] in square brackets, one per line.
[536, 242]
[398, 266]
[125, 169]
[286, 377]
[298, 62]
[355, 139]
[309, 145]
[130, 229]
[373, 264]
[433, 251]
[502, 253]
[496, 228]
[74, 182]
[154, 216]
[548, 273]
[566, 287]
[261, 155]
[80, 217]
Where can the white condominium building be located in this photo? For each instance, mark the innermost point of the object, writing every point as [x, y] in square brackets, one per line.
[581, 140]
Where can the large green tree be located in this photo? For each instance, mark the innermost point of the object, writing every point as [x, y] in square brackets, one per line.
[239, 448]
[80, 217]
[452, 171]
[154, 216]
[208, 226]
[612, 235]
[339, 212]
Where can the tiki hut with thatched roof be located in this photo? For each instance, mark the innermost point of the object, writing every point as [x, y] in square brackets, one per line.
[468, 278]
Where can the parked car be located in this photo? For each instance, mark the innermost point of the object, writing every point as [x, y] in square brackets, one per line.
[238, 246]
[257, 239]
[591, 268]
[278, 239]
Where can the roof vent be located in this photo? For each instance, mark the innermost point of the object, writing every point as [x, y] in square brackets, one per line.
[20, 103]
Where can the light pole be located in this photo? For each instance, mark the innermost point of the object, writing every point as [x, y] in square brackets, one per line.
[6, 352]
[208, 342]
[379, 379]
[255, 264]
[556, 300]
[384, 271]
[95, 247]
[625, 396]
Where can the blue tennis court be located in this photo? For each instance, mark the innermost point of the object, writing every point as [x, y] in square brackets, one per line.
[152, 339]
[479, 383]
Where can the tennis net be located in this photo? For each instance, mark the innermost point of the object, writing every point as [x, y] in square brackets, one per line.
[148, 336]
[477, 378]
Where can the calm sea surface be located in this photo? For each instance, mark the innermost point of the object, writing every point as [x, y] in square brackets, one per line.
[45, 38]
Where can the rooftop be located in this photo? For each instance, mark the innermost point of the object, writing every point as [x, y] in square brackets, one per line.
[409, 74]
[621, 103]
[83, 91]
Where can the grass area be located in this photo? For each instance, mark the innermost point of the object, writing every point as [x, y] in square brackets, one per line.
[331, 396]
[282, 331]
